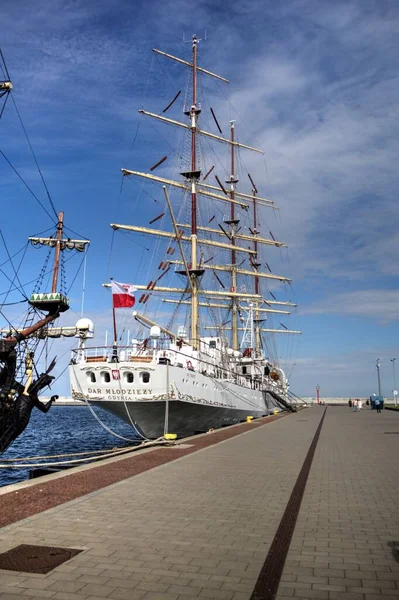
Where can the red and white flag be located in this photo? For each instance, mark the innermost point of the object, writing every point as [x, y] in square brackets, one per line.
[122, 295]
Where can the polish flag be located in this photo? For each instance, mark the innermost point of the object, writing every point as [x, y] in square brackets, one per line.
[122, 295]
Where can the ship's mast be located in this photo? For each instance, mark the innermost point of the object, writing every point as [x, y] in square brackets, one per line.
[233, 228]
[256, 280]
[60, 226]
[194, 112]
[256, 265]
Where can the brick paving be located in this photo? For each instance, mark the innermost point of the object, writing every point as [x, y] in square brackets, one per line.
[349, 519]
[201, 526]
[31, 499]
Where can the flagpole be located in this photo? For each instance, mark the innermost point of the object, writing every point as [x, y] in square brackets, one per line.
[115, 344]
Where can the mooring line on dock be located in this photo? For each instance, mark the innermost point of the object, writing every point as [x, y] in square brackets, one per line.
[269, 578]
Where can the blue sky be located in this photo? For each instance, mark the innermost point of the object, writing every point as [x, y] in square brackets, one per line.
[313, 83]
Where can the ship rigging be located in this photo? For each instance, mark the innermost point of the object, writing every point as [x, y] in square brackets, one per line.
[188, 379]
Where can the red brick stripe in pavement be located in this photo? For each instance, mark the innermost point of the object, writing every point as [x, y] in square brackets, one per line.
[25, 502]
[266, 587]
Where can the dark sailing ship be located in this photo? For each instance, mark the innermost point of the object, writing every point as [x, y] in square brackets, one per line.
[20, 381]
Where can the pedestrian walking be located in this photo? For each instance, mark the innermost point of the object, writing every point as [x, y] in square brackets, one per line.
[360, 404]
[377, 404]
[355, 406]
[350, 402]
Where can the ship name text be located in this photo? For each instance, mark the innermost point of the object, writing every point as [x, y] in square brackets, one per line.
[120, 391]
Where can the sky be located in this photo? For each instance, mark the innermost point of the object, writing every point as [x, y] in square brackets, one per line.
[313, 83]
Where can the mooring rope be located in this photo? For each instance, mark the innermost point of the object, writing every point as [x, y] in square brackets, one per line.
[109, 454]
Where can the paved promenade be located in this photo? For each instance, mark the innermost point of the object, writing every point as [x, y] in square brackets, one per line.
[202, 526]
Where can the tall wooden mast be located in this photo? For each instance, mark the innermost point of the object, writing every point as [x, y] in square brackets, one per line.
[57, 254]
[233, 229]
[256, 265]
[256, 280]
[194, 112]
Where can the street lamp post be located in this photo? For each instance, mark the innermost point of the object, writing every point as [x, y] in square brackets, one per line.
[378, 376]
[395, 391]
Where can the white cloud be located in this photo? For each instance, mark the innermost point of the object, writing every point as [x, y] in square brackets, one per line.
[378, 304]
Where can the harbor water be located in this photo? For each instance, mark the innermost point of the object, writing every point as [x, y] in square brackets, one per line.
[62, 430]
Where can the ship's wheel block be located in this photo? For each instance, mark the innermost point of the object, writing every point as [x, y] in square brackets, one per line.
[51, 303]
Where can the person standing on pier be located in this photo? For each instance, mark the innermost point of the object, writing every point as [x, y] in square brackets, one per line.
[377, 405]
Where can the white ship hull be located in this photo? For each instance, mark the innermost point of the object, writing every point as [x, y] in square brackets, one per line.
[195, 402]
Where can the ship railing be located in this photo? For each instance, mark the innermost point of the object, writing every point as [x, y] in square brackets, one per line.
[92, 354]
[162, 354]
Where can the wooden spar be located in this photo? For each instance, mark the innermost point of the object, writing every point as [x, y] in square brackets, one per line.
[207, 175]
[261, 329]
[155, 219]
[158, 163]
[139, 317]
[201, 292]
[221, 185]
[60, 226]
[178, 236]
[218, 138]
[263, 201]
[181, 186]
[184, 238]
[228, 235]
[240, 271]
[226, 306]
[241, 236]
[278, 303]
[24, 333]
[216, 121]
[253, 185]
[210, 304]
[173, 101]
[223, 198]
[281, 331]
[220, 281]
[185, 62]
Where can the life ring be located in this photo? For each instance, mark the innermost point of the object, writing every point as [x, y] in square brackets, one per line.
[274, 375]
[189, 365]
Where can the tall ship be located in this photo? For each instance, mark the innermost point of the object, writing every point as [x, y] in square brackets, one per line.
[24, 345]
[200, 355]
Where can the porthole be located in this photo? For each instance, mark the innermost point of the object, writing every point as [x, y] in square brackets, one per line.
[105, 376]
[128, 377]
[91, 377]
[145, 377]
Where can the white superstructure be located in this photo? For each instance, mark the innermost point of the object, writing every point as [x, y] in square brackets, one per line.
[163, 386]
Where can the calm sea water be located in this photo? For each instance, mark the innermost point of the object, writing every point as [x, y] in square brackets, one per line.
[63, 429]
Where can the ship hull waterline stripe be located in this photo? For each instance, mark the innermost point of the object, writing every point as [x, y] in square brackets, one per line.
[269, 578]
